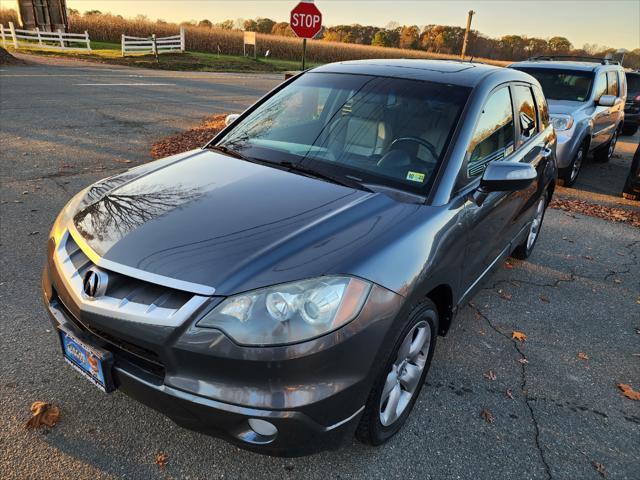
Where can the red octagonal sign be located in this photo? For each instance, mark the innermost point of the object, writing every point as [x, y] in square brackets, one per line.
[306, 20]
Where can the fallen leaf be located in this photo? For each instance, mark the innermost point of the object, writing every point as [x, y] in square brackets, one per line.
[26, 192]
[508, 266]
[566, 239]
[43, 414]
[161, 460]
[600, 469]
[587, 257]
[629, 392]
[523, 361]
[519, 336]
[583, 356]
[487, 415]
[505, 295]
[490, 375]
[544, 299]
[509, 393]
[34, 233]
[123, 161]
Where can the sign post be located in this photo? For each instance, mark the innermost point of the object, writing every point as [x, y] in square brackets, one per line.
[306, 22]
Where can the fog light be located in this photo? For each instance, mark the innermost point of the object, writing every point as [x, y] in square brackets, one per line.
[262, 427]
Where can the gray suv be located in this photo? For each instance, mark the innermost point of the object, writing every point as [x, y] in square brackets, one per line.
[586, 101]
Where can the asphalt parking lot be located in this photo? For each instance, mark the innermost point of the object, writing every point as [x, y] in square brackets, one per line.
[64, 125]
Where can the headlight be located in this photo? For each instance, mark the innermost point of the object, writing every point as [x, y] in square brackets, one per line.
[290, 312]
[562, 122]
[66, 215]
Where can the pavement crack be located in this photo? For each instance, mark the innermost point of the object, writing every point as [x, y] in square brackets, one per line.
[523, 383]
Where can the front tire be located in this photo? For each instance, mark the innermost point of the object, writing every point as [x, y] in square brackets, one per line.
[401, 377]
[604, 154]
[570, 174]
[524, 250]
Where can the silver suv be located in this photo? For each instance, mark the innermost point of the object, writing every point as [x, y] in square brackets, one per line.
[586, 101]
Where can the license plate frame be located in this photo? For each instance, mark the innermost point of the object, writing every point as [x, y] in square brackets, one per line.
[93, 363]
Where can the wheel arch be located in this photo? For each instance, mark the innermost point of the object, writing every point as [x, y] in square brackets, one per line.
[442, 296]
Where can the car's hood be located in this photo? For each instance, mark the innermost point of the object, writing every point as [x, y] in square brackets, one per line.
[229, 224]
[566, 107]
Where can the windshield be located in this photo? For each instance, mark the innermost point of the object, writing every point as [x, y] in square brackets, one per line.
[562, 84]
[633, 82]
[370, 130]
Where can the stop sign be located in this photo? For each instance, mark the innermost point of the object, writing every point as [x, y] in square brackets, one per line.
[306, 20]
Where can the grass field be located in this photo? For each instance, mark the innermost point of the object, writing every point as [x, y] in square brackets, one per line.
[107, 52]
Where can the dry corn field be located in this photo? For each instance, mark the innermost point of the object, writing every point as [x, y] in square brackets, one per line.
[202, 39]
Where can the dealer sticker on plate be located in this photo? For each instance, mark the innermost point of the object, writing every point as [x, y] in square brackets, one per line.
[92, 362]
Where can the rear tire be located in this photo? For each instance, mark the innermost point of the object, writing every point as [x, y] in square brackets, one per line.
[389, 403]
[604, 153]
[524, 250]
[570, 174]
[629, 130]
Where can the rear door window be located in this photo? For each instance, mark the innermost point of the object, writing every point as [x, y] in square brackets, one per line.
[493, 137]
[526, 112]
[612, 83]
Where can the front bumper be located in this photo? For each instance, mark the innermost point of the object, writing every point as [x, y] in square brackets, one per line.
[567, 147]
[313, 392]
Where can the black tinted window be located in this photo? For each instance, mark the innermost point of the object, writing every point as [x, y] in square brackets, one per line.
[493, 134]
[526, 111]
[559, 84]
[633, 82]
[612, 83]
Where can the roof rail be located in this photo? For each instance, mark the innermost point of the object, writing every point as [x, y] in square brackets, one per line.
[603, 61]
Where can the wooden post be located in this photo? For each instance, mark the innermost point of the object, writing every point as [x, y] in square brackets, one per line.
[86, 37]
[182, 42]
[61, 39]
[466, 34]
[155, 46]
[122, 44]
[13, 34]
[39, 37]
[4, 40]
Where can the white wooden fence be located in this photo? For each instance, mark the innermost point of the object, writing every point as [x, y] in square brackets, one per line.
[152, 44]
[36, 38]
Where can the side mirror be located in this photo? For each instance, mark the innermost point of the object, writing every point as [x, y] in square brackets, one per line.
[607, 101]
[504, 177]
[232, 117]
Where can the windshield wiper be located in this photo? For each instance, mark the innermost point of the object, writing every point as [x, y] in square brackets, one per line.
[231, 152]
[345, 182]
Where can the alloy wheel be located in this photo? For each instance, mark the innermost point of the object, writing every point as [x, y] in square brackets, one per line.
[405, 374]
[537, 223]
[612, 144]
[577, 163]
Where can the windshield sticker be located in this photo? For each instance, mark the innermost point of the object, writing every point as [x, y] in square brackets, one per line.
[508, 151]
[415, 177]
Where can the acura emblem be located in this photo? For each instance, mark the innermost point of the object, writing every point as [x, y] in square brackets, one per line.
[94, 283]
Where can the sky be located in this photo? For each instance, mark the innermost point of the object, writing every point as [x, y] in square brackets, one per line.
[613, 23]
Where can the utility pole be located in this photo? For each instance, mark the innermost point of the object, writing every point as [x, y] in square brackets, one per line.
[466, 34]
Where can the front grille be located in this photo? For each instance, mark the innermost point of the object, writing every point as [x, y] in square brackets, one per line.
[126, 298]
[122, 350]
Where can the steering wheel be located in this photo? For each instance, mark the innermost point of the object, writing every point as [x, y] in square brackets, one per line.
[425, 143]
